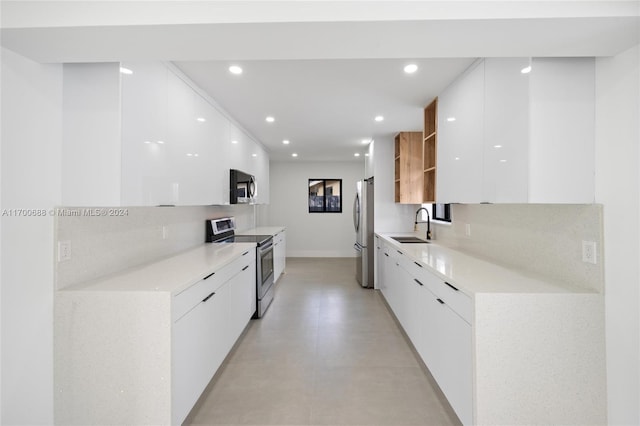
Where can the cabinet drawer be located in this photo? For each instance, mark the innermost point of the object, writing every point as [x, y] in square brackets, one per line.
[188, 298]
[458, 301]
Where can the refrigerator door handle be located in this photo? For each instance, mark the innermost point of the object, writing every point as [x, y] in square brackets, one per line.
[357, 246]
[356, 213]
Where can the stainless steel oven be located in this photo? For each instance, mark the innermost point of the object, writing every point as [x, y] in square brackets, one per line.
[223, 231]
[264, 280]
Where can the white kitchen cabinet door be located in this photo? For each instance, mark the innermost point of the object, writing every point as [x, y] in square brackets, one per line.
[447, 352]
[279, 254]
[145, 148]
[379, 265]
[460, 138]
[562, 135]
[91, 129]
[213, 139]
[394, 285]
[415, 312]
[506, 131]
[383, 267]
[242, 291]
[389, 278]
[260, 169]
[186, 166]
[191, 357]
[241, 149]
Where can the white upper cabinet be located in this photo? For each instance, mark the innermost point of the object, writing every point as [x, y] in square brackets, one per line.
[260, 169]
[506, 131]
[167, 144]
[518, 137]
[91, 135]
[145, 144]
[460, 129]
[247, 155]
[562, 131]
[212, 153]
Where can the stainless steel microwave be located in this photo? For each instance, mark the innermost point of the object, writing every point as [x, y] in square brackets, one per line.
[242, 187]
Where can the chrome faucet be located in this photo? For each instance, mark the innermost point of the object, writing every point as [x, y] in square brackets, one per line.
[428, 222]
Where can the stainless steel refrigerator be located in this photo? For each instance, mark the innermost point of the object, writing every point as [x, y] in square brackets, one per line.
[363, 224]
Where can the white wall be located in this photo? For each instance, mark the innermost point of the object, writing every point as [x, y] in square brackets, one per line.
[390, 216]
[313, 234]
[618, 188]
[31, 149]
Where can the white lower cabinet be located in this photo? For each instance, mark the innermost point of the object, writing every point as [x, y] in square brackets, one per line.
[279, 254]
[445, 345]
[432, 315]
[206, 333]
[533, 355]
[198, 343]
[144, 357]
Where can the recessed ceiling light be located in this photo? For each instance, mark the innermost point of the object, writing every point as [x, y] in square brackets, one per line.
[503, 161]
[294, 155]
[451, 119]
[125, 71]
[147, 142]
[497, 146]
[160, 142]
[457, 158]
[189, 154]
[270, 119]
[366, 154]
[254, 155]
[379, 118]
[234, 141]
[235, 69]
[286, 141]
[366, 141]
[201, 119]
[411, 68]
[357, 154]
[195, 155]
[526, 70]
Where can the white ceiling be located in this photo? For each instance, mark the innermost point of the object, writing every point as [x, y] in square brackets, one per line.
[323, 69]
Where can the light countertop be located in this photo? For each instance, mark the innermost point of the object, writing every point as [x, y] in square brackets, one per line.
[472, 275]
[172, 274]
[263, 230]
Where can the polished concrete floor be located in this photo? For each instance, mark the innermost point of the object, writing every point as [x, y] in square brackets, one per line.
[327, 352]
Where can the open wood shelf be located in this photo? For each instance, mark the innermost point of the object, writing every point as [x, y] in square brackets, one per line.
[408, 168]
[430, 151]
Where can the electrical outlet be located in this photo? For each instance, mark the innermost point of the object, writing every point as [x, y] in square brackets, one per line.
[589, 253]
[64, 251]
[467, 229]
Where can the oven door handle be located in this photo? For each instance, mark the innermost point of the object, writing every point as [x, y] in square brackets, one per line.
[268, 246]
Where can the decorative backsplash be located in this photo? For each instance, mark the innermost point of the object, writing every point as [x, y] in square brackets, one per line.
[103, 245]
[542, 239]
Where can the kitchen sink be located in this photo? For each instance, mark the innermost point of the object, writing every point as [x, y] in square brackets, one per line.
[410, 240]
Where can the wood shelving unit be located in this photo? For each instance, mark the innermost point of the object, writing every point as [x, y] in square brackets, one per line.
[408, 168]
[430, 151]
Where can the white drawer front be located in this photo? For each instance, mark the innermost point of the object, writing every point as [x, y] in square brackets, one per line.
[187, 299]
[458, 301]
